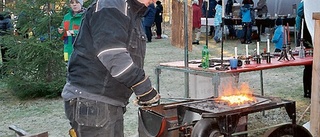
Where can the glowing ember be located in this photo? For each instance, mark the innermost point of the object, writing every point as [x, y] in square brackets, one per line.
[238, 96]
[238, 99]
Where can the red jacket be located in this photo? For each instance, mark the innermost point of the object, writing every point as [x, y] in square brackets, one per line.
[196, 16]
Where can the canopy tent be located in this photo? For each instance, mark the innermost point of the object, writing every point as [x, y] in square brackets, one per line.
[311, 6]
[281, 7]
[285, 7]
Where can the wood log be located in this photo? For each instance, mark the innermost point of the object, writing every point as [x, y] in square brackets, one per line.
[43, 134]
[18, 130]
[22, 133]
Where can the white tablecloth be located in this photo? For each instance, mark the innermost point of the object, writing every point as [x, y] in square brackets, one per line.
[210, 21]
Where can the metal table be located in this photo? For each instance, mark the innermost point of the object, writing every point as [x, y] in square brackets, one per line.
[216, 75]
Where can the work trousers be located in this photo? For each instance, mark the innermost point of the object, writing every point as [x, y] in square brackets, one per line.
[307, 80]
[148, 32]
[196, 34]
[218, 33]
[94, 119]
[247, 31]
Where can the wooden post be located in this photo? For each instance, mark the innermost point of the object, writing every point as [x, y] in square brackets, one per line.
[315, 97]
[177, 27]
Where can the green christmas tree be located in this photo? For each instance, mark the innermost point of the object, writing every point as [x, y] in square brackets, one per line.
[35, 66]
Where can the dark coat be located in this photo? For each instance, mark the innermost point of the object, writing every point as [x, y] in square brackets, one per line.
[196, 16]
[211, 12]
[229, 7]
[159, 12]
[5, 25]
[149, 16]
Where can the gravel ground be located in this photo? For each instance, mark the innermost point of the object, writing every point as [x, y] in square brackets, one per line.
[48, 114]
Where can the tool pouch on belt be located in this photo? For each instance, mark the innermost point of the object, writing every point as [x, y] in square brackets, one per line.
[90, 113]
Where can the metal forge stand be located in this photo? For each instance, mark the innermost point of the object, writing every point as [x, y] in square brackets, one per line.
[212, 118]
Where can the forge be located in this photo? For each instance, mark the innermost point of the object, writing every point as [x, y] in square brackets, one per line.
[214, 117]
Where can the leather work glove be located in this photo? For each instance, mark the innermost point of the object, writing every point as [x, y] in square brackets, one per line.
[146, 94]
[148, 100]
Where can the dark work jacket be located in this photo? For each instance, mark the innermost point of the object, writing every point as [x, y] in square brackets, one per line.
[107, 42]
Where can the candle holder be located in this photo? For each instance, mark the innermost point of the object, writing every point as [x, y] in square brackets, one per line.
[302, 53]
[247, 61]
[291, 53]
[283, 54]
[308, 52]
[311, 52]
[258, 59]
[268, 57]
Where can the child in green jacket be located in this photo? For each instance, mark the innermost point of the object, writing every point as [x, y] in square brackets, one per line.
[70, 26]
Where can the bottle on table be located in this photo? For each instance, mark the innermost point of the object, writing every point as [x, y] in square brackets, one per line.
[205, 57]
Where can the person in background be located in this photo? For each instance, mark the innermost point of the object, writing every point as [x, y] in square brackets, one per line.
[262, 9]
[278, 35]
[6, 28]
[6, 25]
[247, 18]
[209, 12]
[228, 12]
[70, 25]
[158, 19]
[196, 22]
[228, 9]
[307, 43]
[200, 4]
[106, 67]
[217, 23]
[148, 20]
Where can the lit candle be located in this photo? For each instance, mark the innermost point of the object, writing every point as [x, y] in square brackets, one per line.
[223, 7]
[258, 48]
[235, 52]
[285, 36]
[268, 45]
[247, 51]
[302, 22]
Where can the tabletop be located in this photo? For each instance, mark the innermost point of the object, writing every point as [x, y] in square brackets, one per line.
[253, 66]
[270, 22]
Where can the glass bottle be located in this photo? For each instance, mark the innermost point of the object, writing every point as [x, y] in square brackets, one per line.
[205, 57]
